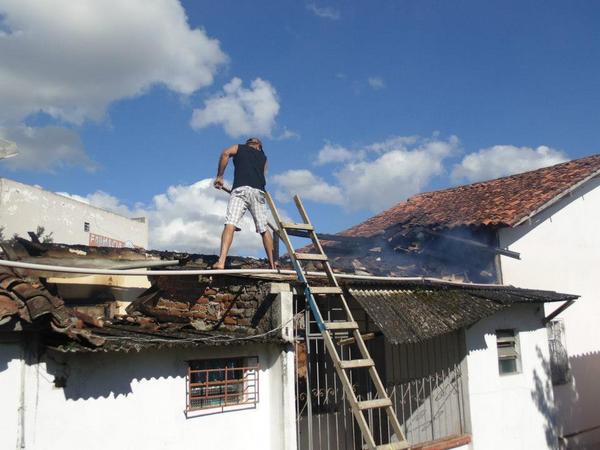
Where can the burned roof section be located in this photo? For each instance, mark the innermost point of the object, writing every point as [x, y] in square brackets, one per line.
[175, 311]
[500, 202]
[409, 312]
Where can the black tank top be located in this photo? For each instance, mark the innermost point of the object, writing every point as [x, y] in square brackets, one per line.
[249, 166]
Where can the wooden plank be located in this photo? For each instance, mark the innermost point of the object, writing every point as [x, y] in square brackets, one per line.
[356, 363]
[324, 290]
[310, 257]
[372, 404]
[297, 226]
[365, 337]
[341, 325]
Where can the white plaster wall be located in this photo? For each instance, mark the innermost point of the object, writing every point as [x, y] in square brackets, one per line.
[560, 250]
[510, 411]
[24, 207]
[131, 401]
[10, 375]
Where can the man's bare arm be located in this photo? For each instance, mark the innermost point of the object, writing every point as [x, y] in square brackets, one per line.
[229, 152]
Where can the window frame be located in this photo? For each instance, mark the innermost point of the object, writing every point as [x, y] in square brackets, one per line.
[222, 383]
[510, 352]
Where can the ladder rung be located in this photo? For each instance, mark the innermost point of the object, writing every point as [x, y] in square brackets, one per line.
[377, 403]
[297, 226]
[356, 363]
[326, 290]
[341, 325]
[393, 446]
[311, 256]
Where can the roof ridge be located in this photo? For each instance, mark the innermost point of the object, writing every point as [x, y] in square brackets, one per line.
[502, 201]
[514, 175]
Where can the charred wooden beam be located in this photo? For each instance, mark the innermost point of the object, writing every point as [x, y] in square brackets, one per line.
[473, 243]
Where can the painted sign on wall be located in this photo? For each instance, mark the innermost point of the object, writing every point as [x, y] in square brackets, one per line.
[97, 240]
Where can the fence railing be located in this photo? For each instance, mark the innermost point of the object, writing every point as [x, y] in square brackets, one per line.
[428, 408]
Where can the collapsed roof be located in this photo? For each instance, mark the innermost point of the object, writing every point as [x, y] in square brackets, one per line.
[184, 310]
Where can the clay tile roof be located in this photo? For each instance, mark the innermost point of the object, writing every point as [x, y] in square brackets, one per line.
[500, 202]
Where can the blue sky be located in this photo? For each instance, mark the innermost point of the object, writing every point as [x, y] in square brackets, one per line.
[360, 104]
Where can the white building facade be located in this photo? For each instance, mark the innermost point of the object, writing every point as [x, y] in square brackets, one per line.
[23, 208]
[510, 410]
[101, 400]
[138, 400]
[560, 250]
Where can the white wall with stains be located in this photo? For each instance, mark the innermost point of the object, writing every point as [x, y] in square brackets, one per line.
[511, 411]
[560, 250]
[24, 207]
[137, 400]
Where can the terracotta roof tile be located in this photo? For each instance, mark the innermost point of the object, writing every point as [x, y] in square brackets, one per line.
[500, 202]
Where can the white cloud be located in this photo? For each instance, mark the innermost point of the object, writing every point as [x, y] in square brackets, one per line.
[307, 185]
[501, 160]
[287, 134]
[375, 176]
[239, 110]
[403, 167]
[46, 149]
[376, 83]
[185, 218]
[71, 59]
[331, 153]
[324, 12]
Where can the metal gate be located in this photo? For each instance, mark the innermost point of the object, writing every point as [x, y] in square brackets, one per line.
[428, 398]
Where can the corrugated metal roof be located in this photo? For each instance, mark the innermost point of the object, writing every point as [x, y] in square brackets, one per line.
[413, 314]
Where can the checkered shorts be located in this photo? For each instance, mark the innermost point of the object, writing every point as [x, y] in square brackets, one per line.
[243, 198]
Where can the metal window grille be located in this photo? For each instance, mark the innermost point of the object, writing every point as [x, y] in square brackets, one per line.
[509, 359]
[218, 383]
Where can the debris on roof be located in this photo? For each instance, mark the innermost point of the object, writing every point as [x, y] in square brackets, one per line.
[175, 311]
[500, 202]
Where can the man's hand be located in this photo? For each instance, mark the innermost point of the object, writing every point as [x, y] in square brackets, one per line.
[218, 183]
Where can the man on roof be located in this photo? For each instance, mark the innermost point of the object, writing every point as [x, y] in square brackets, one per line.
[248, 193]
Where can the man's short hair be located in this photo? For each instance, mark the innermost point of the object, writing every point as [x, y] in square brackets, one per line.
[254, 140]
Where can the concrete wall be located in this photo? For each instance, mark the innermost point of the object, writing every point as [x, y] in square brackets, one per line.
[137, 401]
[560, 250]
[510, 411]
[24, 207]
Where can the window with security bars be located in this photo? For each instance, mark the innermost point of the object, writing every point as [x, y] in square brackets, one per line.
[509, 355]
[217, 383]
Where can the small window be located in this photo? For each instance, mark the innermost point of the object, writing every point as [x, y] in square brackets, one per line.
[509, 355]
[559, 358]
[86, 227]
[217, 383]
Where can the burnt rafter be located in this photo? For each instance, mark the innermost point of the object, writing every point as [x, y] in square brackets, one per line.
[472, 242]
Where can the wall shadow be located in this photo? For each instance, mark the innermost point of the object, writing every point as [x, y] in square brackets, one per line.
[542, 395]
[578, 403]
[102, 375]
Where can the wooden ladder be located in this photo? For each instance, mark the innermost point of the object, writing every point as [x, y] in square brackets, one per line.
[306, 229]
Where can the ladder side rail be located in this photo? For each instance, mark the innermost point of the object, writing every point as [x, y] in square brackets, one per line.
[297, 267]
[350, 395]
[340, 367]
[378, 384]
